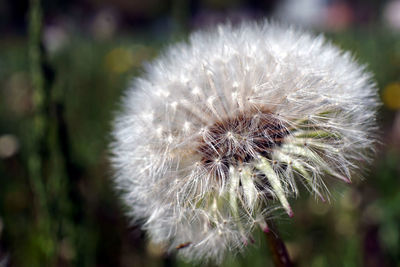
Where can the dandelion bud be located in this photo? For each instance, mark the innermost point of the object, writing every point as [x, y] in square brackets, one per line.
[219, 131]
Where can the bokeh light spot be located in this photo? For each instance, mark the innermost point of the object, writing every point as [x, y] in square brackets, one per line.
[9, 145]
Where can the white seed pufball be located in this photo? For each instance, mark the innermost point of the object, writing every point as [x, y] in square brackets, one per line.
[221, 130]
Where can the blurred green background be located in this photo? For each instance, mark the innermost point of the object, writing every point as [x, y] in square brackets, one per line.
[63, 68]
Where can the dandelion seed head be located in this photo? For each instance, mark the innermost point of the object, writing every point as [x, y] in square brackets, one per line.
[221, 131]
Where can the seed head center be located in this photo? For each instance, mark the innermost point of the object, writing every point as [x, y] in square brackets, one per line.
[239, 139]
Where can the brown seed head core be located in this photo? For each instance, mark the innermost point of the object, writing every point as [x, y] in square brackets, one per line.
[239, 139]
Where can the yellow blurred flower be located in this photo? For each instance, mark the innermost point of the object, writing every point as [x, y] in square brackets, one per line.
[120, 60]
[391, 95]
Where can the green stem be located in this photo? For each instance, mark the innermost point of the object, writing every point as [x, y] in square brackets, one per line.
[277, 247]
[38, 146]
[35, 163]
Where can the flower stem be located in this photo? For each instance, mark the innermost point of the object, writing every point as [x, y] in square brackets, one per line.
[278, 250]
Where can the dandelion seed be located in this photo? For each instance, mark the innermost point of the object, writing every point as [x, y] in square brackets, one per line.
[262, 109]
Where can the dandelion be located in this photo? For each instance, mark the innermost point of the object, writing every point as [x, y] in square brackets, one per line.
[221, 130]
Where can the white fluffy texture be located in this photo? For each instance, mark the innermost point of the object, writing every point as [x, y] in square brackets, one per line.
[323, 99]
